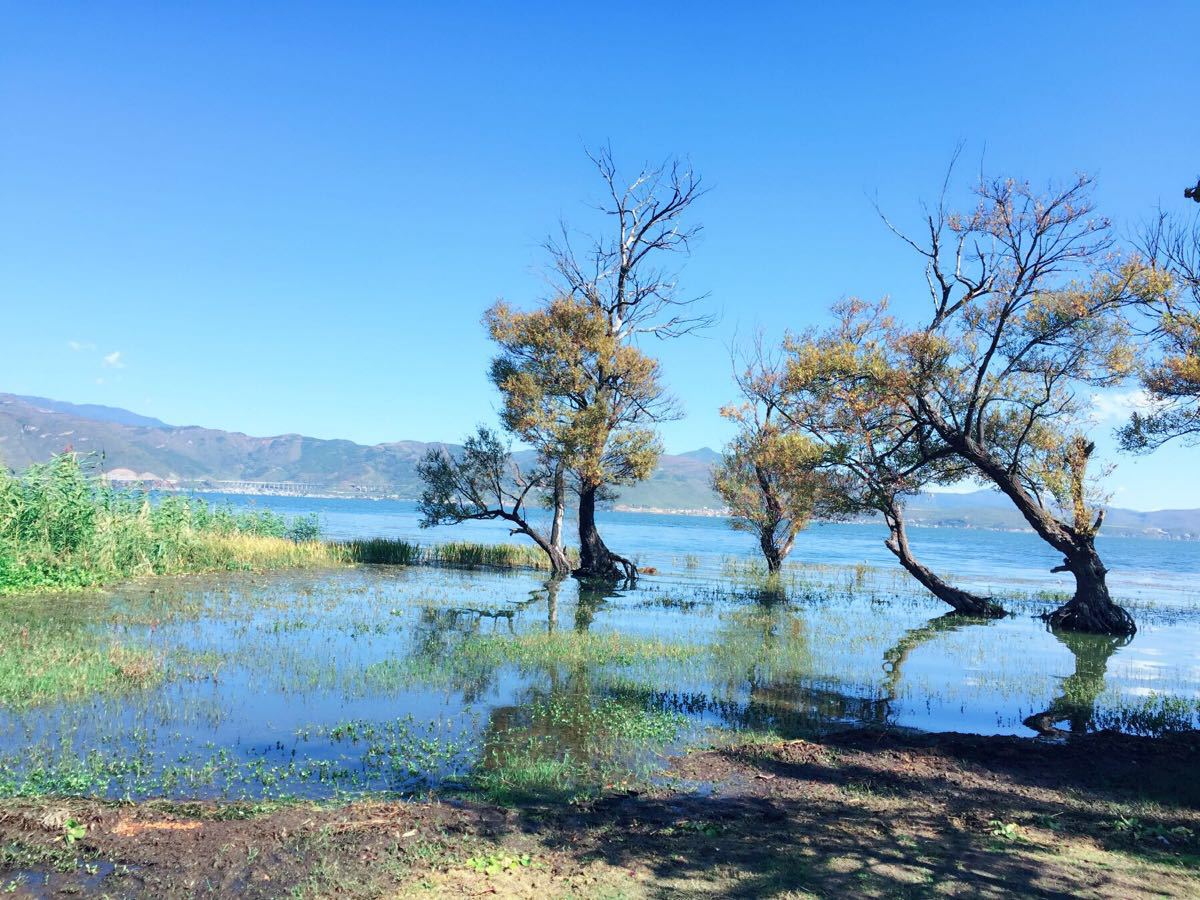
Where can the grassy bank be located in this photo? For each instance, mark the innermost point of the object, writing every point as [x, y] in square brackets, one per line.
[62, 527]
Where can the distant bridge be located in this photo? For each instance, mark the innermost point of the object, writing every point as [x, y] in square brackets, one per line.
[288, 488]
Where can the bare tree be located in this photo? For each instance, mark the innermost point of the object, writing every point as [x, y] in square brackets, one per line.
[484, 482]
[621, 280]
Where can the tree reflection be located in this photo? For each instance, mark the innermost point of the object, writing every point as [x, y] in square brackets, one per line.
[1075, 704]
[897, 655]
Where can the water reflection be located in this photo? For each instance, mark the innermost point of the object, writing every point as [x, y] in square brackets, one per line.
[1075, 704]
[260, 670]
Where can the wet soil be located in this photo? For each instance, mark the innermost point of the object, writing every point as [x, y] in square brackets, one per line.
[862, 813]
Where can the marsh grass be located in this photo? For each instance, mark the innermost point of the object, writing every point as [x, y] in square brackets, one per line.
[62, 527]
[398, 552]
[55, 661]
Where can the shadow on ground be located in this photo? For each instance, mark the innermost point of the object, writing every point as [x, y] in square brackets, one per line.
[863, 813]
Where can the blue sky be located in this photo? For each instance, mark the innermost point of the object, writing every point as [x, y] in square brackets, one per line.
[288, 217]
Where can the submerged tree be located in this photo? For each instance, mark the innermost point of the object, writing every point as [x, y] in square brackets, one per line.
[843, 390]
[582, 396]
[1028, 307]
[770, 478]
[483, 482]
[1170, 378]
[572, 373]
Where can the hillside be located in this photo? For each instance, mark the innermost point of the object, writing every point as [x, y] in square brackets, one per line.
[136, 447]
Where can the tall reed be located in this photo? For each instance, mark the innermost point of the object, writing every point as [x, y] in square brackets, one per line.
[393, 551]
[61, 526]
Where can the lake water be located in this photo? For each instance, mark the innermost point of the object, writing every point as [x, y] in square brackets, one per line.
[1166, 572]
[401, 679]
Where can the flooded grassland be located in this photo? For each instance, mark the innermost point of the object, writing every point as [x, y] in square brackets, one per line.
[266, 694]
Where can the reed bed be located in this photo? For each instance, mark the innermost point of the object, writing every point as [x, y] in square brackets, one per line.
[394, 551]
[63, 527]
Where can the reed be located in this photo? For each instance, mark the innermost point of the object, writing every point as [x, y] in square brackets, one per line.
[398, 552]
[62, 527]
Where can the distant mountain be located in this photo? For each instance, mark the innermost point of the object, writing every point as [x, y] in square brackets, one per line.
[990, 509]
[132, 446]
[137, 447]
[92, 411]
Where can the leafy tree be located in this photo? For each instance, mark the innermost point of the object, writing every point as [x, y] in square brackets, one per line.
[581, 396]
[1028, 307]
[483, 482]
[844, 389]
[571, 373]
[770, 477]
[1170, 377]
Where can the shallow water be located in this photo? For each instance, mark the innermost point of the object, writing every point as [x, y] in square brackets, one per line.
[1142, 569]
[398, 679]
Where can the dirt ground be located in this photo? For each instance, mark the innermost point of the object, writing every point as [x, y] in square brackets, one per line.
[862, 813]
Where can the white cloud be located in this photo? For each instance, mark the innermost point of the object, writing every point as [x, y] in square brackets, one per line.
[80, 346]
[113, 360]
[1117, 406]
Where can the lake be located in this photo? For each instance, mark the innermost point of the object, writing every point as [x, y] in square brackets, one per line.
[1141, 568]
[323, 683]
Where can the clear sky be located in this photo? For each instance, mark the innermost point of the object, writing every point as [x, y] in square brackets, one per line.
[288, 217]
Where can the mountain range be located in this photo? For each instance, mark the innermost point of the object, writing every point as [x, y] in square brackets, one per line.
[132, 447]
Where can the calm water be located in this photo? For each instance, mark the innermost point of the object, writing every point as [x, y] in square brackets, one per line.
[318, 683]
[1142, 568]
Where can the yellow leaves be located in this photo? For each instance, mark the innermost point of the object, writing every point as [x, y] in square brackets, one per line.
[574, 390]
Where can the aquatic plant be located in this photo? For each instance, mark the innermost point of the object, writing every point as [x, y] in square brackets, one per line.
[399, 552]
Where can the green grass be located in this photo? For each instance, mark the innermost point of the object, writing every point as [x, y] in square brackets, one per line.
[52, 661]
[398, 552]
[62, 527]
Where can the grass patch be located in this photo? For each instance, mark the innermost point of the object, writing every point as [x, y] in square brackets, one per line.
[48, 662]
[380, 551]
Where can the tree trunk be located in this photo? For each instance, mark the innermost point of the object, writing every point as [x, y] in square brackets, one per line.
[595, 559]
[766, 540]
[559, 564]
[772, 550]
[1091, 608]
[559, 499]
[962, 602]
